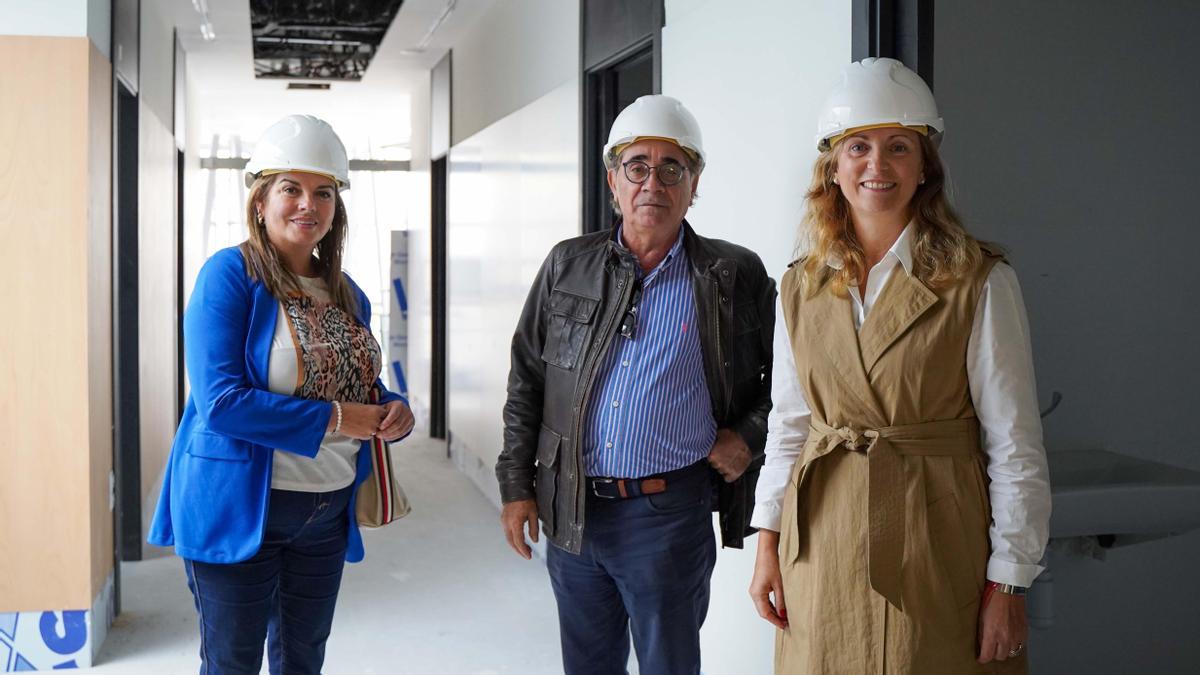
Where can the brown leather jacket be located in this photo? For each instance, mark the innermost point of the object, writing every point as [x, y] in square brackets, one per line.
[569, 320]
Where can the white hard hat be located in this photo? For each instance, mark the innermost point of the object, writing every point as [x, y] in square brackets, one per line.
[878, 92]
[654, 116]
[300, 143]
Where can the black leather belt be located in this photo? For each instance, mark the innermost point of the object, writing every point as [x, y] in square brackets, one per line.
[605, 487]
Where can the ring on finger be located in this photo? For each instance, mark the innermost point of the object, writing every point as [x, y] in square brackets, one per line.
[1017, 650]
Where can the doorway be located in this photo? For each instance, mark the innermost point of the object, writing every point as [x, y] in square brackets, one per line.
[621, 57]
[607, 91]
[127, 512]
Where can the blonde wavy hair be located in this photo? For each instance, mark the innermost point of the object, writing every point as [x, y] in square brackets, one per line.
[943, 251]
[263, 263]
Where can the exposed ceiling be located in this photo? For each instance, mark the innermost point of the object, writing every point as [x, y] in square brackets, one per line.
[318, 39]
[227, 98]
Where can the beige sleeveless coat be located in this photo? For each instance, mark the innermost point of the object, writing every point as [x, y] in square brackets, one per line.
[884, 537]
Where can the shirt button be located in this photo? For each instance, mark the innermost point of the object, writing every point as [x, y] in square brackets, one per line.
[616, 403]
[608, 445]
[625, 364]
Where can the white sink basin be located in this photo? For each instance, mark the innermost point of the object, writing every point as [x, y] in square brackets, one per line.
[1102, 493]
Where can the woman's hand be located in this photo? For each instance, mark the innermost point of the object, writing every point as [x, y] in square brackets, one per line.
[767, 580]
[359, 420]
[1002, 627]
[397, 421]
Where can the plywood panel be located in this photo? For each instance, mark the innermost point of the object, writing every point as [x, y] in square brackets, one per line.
[99, 313]
[45, 541]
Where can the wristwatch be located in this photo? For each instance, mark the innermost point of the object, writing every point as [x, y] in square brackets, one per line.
[1009, 589]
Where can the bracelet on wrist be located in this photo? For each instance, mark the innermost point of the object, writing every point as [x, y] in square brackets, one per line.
[337, 408]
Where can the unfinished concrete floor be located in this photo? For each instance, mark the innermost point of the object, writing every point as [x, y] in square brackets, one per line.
[440, 593]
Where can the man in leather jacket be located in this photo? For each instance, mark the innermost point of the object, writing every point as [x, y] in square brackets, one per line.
[637, 404]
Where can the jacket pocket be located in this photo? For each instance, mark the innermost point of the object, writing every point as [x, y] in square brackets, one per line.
[570, 316]
[546, 486]
[948, 548]
[547, 450]
[218, 446]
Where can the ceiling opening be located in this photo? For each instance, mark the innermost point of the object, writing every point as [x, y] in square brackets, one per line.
[318, 39]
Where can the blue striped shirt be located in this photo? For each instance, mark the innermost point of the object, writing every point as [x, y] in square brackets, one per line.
[650, 411]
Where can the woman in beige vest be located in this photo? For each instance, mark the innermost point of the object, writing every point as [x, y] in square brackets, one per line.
[905, 500]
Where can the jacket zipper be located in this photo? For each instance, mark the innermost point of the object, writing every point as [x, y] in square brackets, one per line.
[580, 487]
[720, 365]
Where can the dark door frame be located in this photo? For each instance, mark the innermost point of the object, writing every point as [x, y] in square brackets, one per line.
[126, 410]
[438, 316]
[600, 108]
[612, 33]
[898, 29]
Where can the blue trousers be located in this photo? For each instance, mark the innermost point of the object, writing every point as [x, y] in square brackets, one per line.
[644, 569]
[285, 594]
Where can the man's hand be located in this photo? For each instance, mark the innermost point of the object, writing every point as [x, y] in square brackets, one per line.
[513, 518]
[768, 581]
[1002, 627]
[729, 455]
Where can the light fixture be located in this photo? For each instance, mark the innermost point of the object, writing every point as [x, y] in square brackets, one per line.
[206, 29]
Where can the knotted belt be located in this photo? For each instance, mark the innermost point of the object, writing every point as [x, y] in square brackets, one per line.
[886, 506]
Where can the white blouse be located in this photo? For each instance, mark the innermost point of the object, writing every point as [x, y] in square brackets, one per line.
[334, 466]
[1003, 390]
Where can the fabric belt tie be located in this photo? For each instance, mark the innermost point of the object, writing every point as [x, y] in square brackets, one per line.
[887, 516]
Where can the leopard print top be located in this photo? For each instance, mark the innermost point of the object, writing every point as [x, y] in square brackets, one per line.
[337, 357]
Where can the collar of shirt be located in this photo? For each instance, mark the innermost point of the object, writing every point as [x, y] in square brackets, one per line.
[864, 298]
[901, 252]
[666, 262]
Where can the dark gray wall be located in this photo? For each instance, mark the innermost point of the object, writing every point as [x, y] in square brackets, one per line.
[1070, 139]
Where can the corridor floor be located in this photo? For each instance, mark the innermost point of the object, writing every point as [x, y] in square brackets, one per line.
[440, 593]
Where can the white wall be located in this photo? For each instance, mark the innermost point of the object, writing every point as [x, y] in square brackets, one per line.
[515, 53]
[420, 309]
[156, 64]
[513, 193]
[754, 75]
[59, 18]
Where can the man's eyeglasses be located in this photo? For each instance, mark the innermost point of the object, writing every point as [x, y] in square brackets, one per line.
[639, 172]
[629, 322]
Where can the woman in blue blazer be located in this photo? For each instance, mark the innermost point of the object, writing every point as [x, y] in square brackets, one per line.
[258, 496]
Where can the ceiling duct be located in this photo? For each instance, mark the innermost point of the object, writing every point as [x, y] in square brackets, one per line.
[318, 39]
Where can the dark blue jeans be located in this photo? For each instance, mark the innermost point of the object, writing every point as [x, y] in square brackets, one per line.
[285, 594]
[644, 569]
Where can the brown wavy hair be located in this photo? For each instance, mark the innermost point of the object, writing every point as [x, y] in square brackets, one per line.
[943, 251]
[263, 263]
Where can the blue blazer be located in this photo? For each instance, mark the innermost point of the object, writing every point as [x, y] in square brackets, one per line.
[218, 478]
